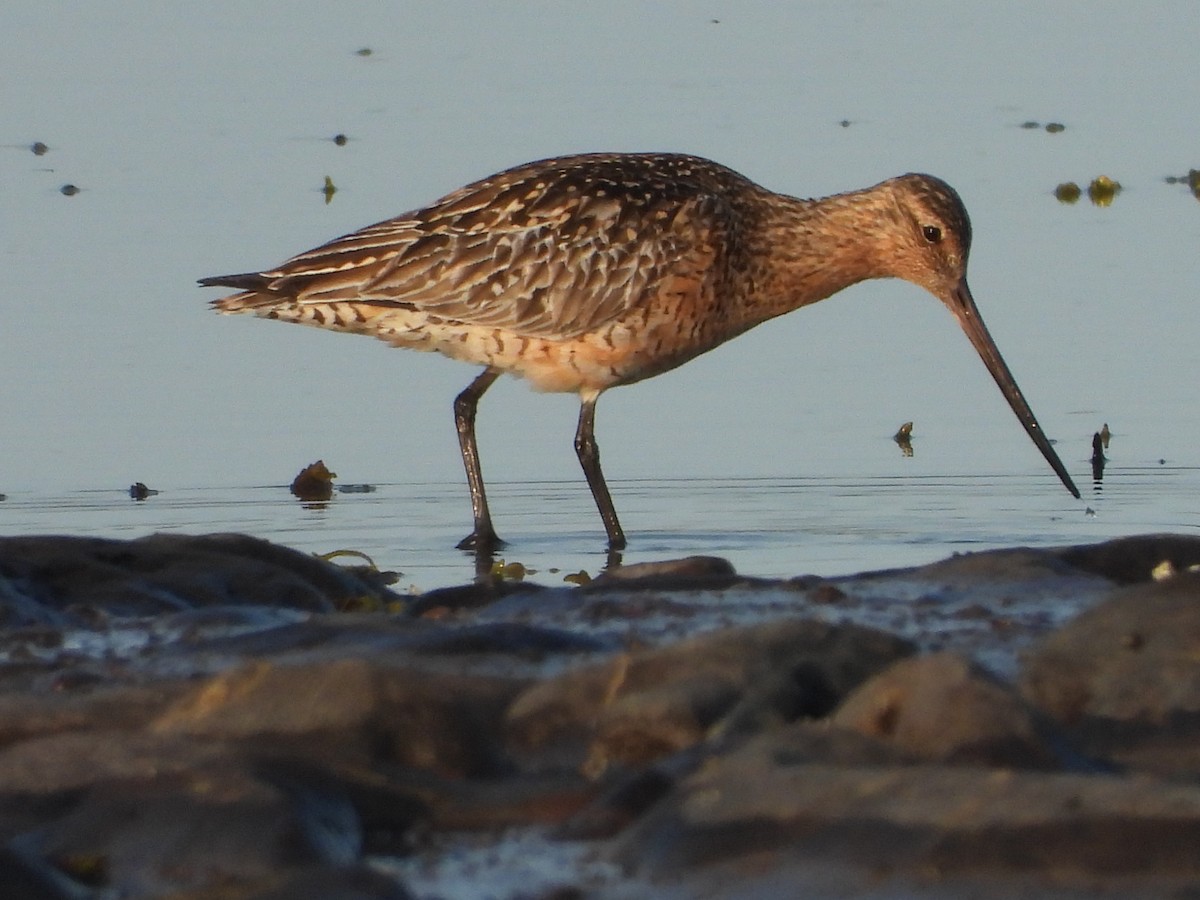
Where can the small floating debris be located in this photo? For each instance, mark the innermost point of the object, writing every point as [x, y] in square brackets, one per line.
[356, 488]
[1191, 179]
[329, 190]
[139, 491]
[1102, 190]
[1068, 192]
[363, 51]
[315, 482]
[68, 190]
[513, 571]
[1049, 127]
[903, 438]
[340, 139]
[38, 148]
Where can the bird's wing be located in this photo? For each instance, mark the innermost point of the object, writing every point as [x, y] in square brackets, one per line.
[545, 253]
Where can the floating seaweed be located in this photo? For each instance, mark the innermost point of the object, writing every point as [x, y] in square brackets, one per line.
[1103, 190]
[1068, 192]
[315, 482]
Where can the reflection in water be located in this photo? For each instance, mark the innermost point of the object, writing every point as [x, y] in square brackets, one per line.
[490, 569]
[1098, 459]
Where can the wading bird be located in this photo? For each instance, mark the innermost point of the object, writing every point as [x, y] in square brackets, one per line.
[582, 273]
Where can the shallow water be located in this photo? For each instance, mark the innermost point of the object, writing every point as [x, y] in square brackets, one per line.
[770, 527]
[200, 139]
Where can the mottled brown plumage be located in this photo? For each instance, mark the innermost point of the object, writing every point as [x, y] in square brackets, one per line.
[582, 273]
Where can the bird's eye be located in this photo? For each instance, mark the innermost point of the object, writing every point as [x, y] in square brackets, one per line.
[932, 233]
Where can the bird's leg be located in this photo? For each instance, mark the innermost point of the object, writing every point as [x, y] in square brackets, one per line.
[483, 539]
[589, 458]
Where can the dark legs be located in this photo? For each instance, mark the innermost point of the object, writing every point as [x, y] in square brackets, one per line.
[483, 539]
[589, 458]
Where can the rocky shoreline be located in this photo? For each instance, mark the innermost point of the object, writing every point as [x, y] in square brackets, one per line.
[220, 717]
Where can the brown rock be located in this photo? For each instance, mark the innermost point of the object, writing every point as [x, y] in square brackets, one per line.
[74, 760]
[944, 708]
[746, 825]
[1134, 658]
[354, 711]
[640, 706]
[1125, 676]
[28, 715]
[148, 836]
[689, 573]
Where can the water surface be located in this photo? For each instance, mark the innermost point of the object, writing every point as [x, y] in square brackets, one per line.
[200, 138]
[770, 527]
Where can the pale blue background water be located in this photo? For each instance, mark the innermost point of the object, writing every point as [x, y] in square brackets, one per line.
[200, 136]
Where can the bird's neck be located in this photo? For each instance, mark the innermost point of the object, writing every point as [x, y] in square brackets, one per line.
[815, 248]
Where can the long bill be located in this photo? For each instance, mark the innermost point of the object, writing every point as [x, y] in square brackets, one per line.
[964, 309]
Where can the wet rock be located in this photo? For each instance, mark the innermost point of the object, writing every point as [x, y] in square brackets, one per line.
[1133, 559]
[26, 877]
[691, 572]
[167, 832]
[440, 602]
[640, 706]
[519, 799]
[1019, 564]
[254, 743]
[76, 759]
[25, 715]
[314, 883]
[1126, 676]
[63, 581]
[1134, 658]
[943, 708]
[513, 640]
[737, 828]
[352, 710]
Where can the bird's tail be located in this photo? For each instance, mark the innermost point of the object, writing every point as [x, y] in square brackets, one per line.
[255, 289]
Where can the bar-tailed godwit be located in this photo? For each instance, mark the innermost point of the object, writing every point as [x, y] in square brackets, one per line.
[582, 273]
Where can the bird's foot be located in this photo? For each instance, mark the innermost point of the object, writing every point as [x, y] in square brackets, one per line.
[481, 542]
